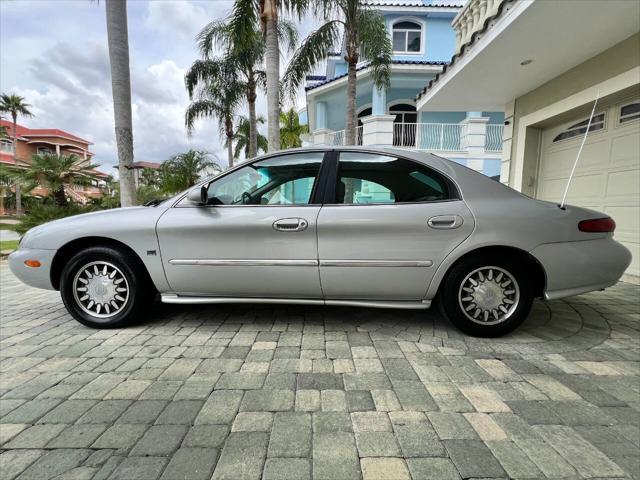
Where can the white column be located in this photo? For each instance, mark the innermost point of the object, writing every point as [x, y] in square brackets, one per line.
[57, 149]
[377, 130]
[473, 140]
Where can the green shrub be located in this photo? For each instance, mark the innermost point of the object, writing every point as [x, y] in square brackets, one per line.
[46, 212]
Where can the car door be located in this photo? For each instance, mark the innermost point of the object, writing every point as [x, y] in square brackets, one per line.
[255, 237]
[386, 225]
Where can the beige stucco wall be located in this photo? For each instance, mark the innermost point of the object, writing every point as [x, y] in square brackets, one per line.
[614, 61]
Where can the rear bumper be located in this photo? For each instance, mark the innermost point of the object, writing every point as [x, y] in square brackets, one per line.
[39, 277]
[573, 268]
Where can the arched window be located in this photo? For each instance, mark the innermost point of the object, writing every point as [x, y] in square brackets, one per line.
[407, 37]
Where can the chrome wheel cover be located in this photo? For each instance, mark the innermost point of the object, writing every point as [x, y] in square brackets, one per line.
[488, 295]
[100, 289]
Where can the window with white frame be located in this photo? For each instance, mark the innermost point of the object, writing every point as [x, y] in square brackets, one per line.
[6, 146]
[629, 112]
[581, 127]
[44, 150]
[407, 37]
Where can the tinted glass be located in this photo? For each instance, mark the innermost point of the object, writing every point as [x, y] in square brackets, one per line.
[630, 112]
[413, 41]
[399, 39]
[365, 178]
[285, 180]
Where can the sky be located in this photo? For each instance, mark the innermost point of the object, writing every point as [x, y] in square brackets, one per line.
[54, 54]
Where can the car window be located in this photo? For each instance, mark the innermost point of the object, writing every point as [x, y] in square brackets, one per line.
[284, 180]
[365, 178]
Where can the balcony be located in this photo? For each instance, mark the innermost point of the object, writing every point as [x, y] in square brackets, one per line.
[471, 19]
[438, 137]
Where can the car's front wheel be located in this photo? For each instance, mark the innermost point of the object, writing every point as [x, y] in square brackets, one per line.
[486, 296]
[102, 287]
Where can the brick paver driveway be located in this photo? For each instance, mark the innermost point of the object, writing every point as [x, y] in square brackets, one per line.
[324, 393]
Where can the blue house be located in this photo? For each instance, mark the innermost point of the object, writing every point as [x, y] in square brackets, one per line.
[423, 42]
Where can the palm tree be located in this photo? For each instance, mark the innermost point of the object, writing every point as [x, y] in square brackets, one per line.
[184, 170]
[15, 105]
[291, 129]
[364, 32]
[241, 138]
[56, 172]
[246, 14]
[118, 40]
[217, 95]
[246, 54]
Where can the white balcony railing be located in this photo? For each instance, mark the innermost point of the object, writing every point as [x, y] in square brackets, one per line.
[471, 19]
[337, 138]
[428, 136]
[444, 137]
[493, 138]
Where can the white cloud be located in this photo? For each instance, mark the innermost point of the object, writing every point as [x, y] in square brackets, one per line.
[182, 18]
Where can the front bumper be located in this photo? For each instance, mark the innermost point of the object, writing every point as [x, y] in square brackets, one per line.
[573, 268]
[39, 277]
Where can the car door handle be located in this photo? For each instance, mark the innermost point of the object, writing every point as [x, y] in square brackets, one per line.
[442, 222]
[290, 224]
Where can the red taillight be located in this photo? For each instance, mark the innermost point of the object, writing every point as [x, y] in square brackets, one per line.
[597, 225]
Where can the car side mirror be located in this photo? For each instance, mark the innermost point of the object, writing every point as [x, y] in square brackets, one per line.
[198, 195]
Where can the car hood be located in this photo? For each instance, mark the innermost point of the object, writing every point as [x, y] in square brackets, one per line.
[104, 223]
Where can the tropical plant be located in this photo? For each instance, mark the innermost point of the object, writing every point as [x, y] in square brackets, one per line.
[244, 55]
[241, 138]
[118, 40]
[291, 129]
[216, 95]
[58, 172]
[44, 212]
[15, 106]
[364, 33]
[185, 170]
[245, 16]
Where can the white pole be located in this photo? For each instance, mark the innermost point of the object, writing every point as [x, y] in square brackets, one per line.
[584, 139]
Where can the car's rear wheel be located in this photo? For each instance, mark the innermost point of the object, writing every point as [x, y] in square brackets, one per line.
[102, 287]
[487, 296]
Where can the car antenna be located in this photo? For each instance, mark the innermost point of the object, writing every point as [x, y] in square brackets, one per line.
[575, 164]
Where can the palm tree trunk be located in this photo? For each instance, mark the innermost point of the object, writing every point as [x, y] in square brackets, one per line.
[60, 197]
[15, 161]
[350, 121]
[272, 60]
[253, 123]
[118, 40]
[229, 134]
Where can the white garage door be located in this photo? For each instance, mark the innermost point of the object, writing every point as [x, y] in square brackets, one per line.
[608, 175]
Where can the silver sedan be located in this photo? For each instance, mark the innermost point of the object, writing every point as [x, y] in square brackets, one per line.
[346, 226]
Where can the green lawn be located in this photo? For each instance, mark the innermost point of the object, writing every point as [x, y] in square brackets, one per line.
[8, 245]
[7, 226]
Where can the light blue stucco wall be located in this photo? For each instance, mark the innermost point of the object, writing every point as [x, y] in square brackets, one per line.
[438, 40]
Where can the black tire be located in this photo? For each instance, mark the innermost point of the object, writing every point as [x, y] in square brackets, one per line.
[138, 298]
[451, 302]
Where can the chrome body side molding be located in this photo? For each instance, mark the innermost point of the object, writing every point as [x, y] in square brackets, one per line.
[186, 299]
[376, 263]
[299, 263]
[244, 263]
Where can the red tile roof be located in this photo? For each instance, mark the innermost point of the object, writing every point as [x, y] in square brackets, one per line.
[23, 131]
[143, 164]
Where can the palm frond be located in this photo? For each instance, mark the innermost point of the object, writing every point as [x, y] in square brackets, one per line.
[287, 34]
[375, 45]
[314, 49]
[214, 33]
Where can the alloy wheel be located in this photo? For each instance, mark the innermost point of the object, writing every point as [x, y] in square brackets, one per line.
[100, 289]
[489, 295]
